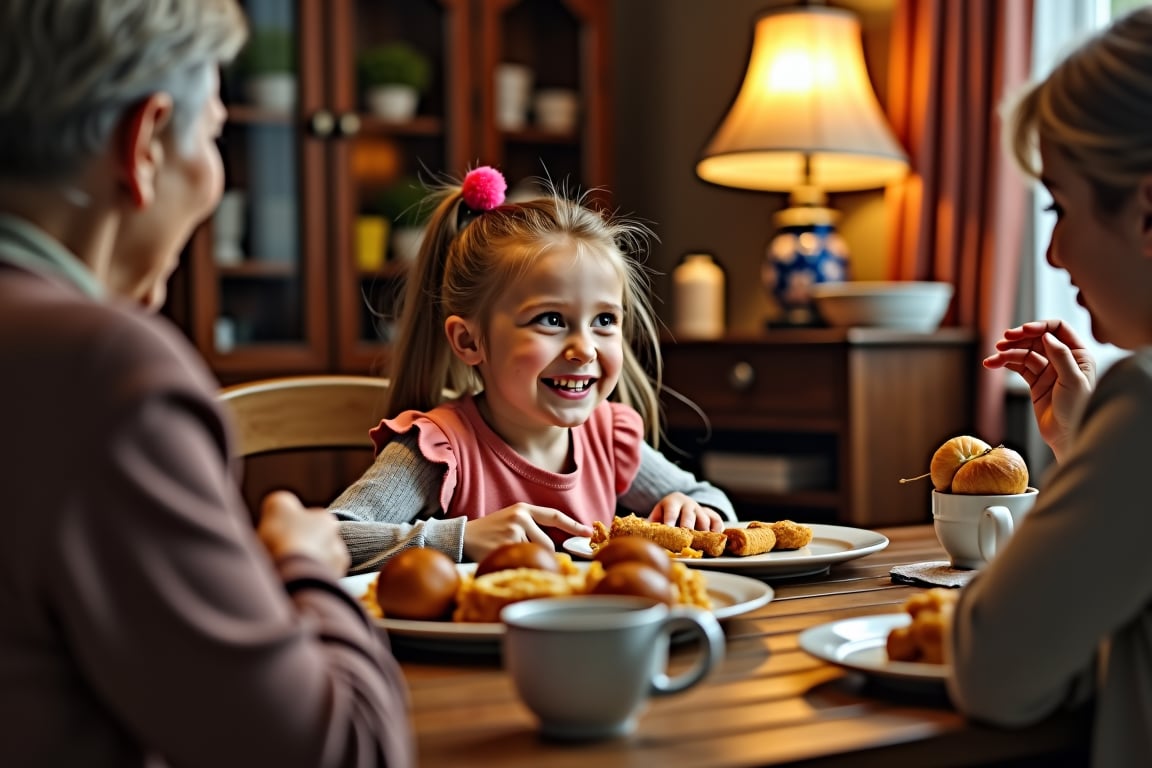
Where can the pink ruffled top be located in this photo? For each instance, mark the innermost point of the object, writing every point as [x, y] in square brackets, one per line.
[483, 474]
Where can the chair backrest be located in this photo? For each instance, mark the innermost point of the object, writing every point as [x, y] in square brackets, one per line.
[299, 412]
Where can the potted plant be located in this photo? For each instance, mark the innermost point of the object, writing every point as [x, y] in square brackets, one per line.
[405, 203]
[392, 77]
[268, 65]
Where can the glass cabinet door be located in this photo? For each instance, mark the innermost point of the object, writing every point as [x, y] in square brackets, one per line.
[545, 91]
[301, 266]
[401, 84]
[257, 279]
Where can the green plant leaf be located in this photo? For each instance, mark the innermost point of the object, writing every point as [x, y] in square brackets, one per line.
[269, 50]
[394, 64]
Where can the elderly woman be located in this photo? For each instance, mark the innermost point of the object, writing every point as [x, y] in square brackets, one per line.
[143, 622]
[1066, 607]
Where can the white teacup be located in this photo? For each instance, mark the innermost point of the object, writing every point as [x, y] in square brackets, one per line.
[587, 665]
[972, 528]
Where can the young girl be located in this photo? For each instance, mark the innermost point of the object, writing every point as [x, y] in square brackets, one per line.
[531, 311]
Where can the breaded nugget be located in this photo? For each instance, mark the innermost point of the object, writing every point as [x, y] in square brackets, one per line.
[756, 539]
[939, 599]
[923, 639]
[790, 535]
[600, 535]
[902, 646]
[670, 537]
[711, 543]
[928, 630]
[482, 597]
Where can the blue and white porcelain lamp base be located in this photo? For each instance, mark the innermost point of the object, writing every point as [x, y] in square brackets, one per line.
[806, 249]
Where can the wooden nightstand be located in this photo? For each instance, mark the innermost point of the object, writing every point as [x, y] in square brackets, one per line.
[871, 405]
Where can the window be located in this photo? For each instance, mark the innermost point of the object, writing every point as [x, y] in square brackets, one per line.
[1046, 291]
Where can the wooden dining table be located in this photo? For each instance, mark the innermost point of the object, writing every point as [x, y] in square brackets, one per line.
[769, 703]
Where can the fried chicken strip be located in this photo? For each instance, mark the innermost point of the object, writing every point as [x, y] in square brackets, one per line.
[671, 538]
[756, 539]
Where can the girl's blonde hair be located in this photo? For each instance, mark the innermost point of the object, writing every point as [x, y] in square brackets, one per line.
[1095, 108]
[462, 268]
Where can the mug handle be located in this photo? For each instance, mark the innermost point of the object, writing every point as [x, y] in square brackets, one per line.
[702, 625]
[995, 527]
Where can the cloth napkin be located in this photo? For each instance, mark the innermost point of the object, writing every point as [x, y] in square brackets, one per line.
[934, 573]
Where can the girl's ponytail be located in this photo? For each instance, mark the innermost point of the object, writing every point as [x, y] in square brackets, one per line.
[420, 355]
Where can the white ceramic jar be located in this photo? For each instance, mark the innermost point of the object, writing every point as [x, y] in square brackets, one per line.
[698, 298]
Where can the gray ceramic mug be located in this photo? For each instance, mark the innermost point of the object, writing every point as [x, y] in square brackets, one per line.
[587, 665]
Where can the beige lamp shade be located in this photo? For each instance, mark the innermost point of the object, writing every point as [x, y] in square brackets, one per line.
[806, 113]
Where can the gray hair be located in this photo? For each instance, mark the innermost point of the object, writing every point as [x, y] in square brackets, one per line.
[1095, 108]
[69, 69]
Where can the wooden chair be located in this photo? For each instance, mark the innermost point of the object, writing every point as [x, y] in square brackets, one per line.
[305, 412]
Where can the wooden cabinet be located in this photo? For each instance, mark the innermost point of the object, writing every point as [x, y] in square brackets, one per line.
[868, 405]
[276, 281]
[272, 283]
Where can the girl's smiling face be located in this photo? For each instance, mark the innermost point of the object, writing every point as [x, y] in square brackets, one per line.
[553, 347]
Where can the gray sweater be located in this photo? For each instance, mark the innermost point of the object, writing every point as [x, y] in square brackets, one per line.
[395, 504]
[1065, 609]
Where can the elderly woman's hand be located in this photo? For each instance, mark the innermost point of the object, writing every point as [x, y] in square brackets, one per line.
[288, 528]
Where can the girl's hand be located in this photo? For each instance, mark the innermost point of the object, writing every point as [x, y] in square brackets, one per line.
[288, 528]
[1059, 371]
[676, 509]
[519, 522]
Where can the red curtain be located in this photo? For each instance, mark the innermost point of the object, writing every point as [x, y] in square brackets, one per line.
[959, 216]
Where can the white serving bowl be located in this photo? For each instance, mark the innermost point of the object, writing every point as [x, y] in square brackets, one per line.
[907, 305]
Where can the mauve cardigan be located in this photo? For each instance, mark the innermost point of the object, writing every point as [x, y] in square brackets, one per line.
[141, 621]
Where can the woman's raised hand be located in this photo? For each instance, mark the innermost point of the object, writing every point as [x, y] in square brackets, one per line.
[1059, 372]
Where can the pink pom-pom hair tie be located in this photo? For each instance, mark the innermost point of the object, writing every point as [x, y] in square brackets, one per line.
[483, 189]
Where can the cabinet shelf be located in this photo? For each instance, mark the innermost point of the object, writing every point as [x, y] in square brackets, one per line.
[247, 114]
[539, 136]
[256, 270]
[423, 125]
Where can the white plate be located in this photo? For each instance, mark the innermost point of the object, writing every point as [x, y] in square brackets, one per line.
[731, 596]
[860, 644]
[830, 544]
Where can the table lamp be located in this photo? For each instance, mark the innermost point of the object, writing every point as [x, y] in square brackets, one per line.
[805, 121]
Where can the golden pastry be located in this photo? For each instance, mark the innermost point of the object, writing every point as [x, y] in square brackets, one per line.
[755, 539]
[711, 543]
[790, 535]
[672, 538]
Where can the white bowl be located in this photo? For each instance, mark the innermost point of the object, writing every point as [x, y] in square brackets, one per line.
[907, 305]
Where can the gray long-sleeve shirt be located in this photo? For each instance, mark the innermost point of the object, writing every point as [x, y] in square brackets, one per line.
[395, 504]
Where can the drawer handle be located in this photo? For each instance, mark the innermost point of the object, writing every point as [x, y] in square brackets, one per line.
[742, 377]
